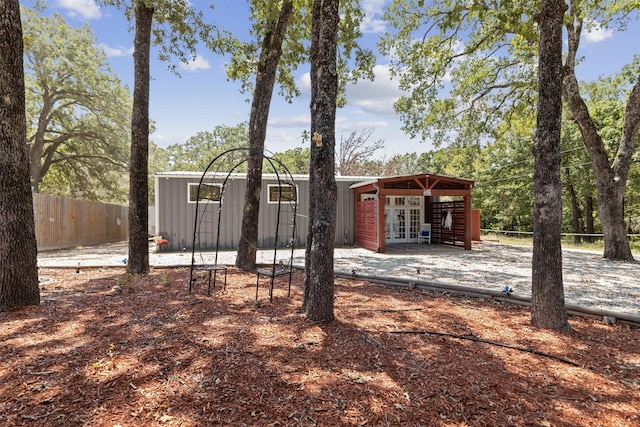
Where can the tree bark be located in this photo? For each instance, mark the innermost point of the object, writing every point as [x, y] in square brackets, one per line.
[576, 214]
[18, 250]
[319, 280]
[547, 302]
[588, 216]
[611, 178]
[138, 262]
[265, 81]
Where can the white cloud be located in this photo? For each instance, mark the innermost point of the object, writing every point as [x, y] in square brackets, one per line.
[595, 33]
[87, 9]
[371, 22]
[372, 97]
[304, 84]
[375, 97]
[198, 63]
[164, 141]
[113, 52]
[348, 126]
[302, 120]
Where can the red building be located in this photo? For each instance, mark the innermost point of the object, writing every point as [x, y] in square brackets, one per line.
[395, 209]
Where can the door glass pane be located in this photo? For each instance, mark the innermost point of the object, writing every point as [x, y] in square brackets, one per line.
[387, 224]
[414, 223]
[400, 224]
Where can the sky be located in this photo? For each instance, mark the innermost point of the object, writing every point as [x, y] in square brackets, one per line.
[203, 98]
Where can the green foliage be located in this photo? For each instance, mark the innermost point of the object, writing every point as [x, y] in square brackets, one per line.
[296, 160]
[199, 150]
[504, 188]
[177, 30]
[492, 73]
[159, 161]
[165, 279]
[632, 197]
[354, 61]
[470, 70]
[77, 112]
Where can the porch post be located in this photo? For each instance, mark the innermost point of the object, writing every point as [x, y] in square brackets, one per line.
[467, 223]
[381, 223]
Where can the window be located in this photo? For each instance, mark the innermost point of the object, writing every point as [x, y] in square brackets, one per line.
[285, 193]
[414, 201]
[211, 192]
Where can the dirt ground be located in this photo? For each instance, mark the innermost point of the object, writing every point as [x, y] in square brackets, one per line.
[105, 349]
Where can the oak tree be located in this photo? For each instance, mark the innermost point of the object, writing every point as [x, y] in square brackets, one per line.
[18, 251]
[179, 28]
[282, 30]
[611, 167]
[138, 261]
[277, 21]
[547, 294]
[488, 52]
[318, 301]
[77, 112]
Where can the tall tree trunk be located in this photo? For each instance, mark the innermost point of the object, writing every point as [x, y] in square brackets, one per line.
[319, 280]
[611, 179]
[265, 81]
[611, 214]
[547, 302]
[18, 250]
[588, 216]
[576, 215]
[138, 172]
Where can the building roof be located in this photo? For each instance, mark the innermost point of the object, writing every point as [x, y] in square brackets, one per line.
[240, 176]
[418, 181]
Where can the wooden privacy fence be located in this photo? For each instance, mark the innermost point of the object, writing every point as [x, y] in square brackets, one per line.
[64, 223]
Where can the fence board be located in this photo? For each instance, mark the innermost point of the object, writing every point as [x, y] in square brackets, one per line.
[65, 223]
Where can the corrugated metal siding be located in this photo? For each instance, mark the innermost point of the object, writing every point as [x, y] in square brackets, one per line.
[345, 221]
[65, 223]
[175, 216]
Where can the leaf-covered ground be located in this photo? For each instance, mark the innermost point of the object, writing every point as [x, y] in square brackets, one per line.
[104, 349]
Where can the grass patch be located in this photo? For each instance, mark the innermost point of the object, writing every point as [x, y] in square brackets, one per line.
[519, 239]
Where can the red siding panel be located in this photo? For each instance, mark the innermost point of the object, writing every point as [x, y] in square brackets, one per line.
[367, 224]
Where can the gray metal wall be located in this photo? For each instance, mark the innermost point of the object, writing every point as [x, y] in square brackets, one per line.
[175, 216]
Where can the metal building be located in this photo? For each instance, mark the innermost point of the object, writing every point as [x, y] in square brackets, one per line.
[175, 202]
[371, 212]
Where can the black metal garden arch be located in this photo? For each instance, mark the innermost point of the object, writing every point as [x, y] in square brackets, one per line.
[209, 218]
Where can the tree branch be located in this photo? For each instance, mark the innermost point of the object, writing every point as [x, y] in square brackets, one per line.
[472, 337]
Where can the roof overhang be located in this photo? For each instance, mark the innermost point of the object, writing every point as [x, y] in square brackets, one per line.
[416, 185]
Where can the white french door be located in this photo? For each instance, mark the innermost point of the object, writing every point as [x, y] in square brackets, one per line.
[402, 218]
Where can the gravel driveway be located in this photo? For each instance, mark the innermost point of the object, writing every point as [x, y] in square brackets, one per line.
[589, 280]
